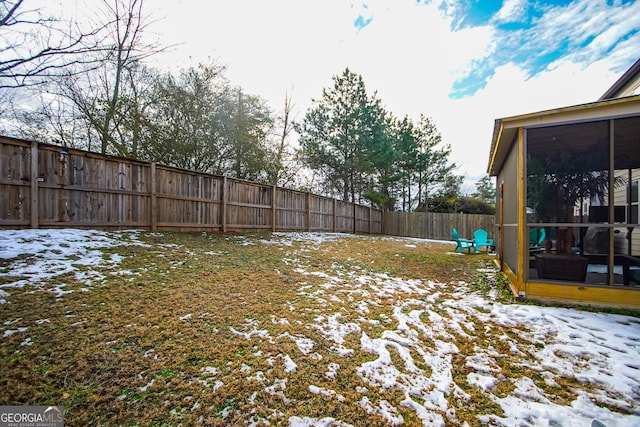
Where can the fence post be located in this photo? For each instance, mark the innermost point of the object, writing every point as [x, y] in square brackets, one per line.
[405, 226]
[35, 208]
[334, 215]
[224, 204]
[370, 211]
[308, 211]
[355, 219]
[273, 208]
[153, 214]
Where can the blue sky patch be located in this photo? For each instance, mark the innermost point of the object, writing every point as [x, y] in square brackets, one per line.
[529, 42]
[472, 83]
[476, 13]
[362, 22]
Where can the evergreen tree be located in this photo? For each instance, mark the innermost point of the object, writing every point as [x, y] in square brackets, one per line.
[362, 152]
[486, 190]
[434, 170]
[380, 190]
[407, 160]
[337, 136]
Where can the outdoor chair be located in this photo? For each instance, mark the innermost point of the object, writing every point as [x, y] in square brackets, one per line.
[481, 240]
[536, 237]
[461, 244]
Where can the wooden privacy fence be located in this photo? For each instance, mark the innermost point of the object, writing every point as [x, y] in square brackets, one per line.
[431, 225]
[49, 186]
[44, 185]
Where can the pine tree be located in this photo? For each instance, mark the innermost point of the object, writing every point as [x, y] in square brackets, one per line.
[336, 136]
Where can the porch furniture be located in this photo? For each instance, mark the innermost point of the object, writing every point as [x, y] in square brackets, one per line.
[569, 267]
[461, 244]
[481, 240]
[536, 237]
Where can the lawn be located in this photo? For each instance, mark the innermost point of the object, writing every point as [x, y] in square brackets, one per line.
[300, 329]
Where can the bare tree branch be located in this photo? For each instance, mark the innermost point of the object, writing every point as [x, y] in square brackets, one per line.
[35, 47]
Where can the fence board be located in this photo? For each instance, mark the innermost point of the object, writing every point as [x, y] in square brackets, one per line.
[15, 181]
[74, 188]
[321, 213]
[433, 225]
[186, 200]
[248, 205]
[344, 217]
[291, 209]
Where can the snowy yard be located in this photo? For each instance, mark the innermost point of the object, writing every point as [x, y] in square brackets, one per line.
[299, 329]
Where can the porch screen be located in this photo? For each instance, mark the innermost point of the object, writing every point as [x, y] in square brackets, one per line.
[580, 180]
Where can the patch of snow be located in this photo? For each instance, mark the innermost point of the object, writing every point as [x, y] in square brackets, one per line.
[384, 409]
[305, 345]
[281, 321]
[328, 393]
[37, 256]
[210, 370]
[145, 387]
[10, 332]
[259, 377]
[289, 364]
[334, 328]
[332, 370]
[261, 333]
[277, 389]
[315, 422]
[483, 382]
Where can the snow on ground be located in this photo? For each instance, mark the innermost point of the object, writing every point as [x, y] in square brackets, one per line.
[39, 255]
[594, 348]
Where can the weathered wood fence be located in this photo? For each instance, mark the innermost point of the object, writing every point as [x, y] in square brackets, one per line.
[431, 225]
[44, 185]
[49, 186]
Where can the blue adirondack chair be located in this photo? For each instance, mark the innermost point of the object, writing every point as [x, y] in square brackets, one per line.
[481, 240]
[536, 237]
[461, 244]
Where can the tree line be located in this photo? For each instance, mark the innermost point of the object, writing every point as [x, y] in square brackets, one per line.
[90, 87]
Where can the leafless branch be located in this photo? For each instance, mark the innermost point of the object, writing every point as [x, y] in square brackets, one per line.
[35, 47]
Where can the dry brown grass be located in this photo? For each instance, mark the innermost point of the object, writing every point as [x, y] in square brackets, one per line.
[162, 346]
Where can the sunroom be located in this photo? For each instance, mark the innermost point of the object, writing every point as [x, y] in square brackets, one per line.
[568, 202]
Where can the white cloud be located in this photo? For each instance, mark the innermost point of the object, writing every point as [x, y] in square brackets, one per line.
[409, 55]
[512, 11]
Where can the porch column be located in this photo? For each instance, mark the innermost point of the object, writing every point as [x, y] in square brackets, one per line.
[522, 214]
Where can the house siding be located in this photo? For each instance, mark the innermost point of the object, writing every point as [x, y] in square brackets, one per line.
[620, 199]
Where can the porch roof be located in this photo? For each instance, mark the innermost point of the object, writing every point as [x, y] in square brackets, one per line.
[505, 129]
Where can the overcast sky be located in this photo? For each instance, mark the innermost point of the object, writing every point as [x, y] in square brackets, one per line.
[462, 62]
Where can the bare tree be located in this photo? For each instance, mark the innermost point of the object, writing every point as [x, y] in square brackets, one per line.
[35, 47]
[109, 96]
[284, 165]
[129, 25]
[279, 152]
[97, 102]
[54, 120]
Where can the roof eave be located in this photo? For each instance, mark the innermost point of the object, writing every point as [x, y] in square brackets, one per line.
[581, 112]
[628, 77]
